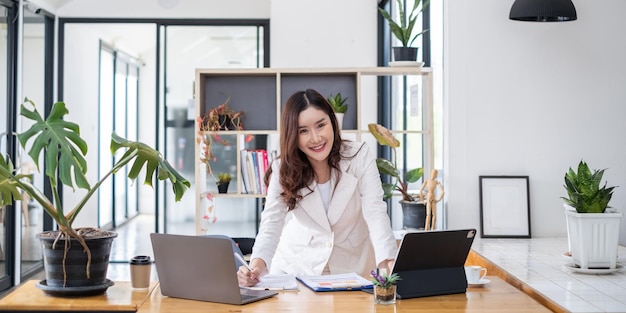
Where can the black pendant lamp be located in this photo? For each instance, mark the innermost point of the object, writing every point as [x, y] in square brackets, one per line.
[543, 11]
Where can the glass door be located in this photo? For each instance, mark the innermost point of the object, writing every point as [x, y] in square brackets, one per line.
[119, 127]
[33, 88]
[129, 101]
[186, 49]
[5, 129]
[106, 93]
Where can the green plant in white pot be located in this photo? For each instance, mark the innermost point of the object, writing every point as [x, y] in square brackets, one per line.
[339, 105]
[404, 29]
[85, 249]
[593, 226]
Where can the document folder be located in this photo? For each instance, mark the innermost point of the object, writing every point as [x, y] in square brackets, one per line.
[337, 282]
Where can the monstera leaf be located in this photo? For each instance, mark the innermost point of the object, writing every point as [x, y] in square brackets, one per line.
[65, 149]
[154, 162]
[8, 186]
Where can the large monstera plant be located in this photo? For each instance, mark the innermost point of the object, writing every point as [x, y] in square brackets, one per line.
[64, 153]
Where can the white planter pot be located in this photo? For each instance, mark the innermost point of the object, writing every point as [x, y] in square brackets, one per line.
[339, 119]
[593, 238]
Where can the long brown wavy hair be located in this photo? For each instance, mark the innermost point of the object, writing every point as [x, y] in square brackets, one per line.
[295, 170]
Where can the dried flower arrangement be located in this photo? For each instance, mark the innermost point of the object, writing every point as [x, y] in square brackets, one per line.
[220, 118]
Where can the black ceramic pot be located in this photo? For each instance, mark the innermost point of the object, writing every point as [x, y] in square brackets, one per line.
[66, 272]
[222, 187]
[404, 54]
[413, 215]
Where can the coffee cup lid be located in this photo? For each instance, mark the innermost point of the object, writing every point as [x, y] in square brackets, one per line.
[140, 259]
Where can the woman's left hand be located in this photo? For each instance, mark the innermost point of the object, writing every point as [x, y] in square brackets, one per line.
[387, 265]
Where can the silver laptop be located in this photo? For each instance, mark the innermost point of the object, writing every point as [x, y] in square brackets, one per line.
[200, 268]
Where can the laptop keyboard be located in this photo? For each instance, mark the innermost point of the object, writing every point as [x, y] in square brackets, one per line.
[245, 297]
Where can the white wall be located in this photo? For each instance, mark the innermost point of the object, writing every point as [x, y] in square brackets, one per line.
[323, 33]
[533, 99]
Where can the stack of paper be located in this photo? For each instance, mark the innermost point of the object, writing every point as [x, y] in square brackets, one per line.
[276, 282]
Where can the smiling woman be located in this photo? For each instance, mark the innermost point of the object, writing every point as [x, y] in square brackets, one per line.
[332, 187]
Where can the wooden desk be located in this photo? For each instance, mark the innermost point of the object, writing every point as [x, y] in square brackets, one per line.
[120, 297]
[498, 296]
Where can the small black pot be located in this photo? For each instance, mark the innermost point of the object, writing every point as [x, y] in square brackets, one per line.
[222, 187]
[413, 215]
[225, 122]
[404, 54]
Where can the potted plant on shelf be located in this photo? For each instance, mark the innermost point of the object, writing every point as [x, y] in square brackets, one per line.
[223, 180]
[75, 259]
[220, 118]
[339, 105]
[413, 210]
[592, 226]
[403, 29]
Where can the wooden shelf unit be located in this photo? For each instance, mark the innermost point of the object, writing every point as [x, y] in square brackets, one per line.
[261, 93]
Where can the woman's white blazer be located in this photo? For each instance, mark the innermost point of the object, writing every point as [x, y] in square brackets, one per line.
[354, 236]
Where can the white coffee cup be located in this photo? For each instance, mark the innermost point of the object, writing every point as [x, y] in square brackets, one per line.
[475, 274]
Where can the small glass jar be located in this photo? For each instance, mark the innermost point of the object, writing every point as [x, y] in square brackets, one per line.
[385, 295]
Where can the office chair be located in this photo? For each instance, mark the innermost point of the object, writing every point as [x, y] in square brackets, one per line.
[244, 244]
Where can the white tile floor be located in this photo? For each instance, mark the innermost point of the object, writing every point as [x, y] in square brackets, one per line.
[541, 264]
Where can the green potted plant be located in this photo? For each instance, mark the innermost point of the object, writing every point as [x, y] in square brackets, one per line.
[223, 180]
[592, 225]
[86, 249]
[384, 287]
[220, 118]
[339, 105]
[403, 29]
[413, 210]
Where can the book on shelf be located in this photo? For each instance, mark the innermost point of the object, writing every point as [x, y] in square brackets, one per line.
[244, 173]
[254, 164]
[262, 162]
[250, 170]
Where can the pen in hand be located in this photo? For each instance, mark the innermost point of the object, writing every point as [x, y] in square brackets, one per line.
[242, 260]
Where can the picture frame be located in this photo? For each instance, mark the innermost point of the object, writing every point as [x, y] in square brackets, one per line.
[504, 207]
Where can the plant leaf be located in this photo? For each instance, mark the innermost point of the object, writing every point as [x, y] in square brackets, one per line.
[8, 187]
[383, 135]
[403, 30]
[388, 190]
[153, 161]
[387, 168]
[65, 149]
[414, 175]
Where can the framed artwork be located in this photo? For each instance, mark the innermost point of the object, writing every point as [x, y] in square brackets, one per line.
[504, 207]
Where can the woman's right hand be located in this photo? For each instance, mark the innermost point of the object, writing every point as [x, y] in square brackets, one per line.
[249, 278]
